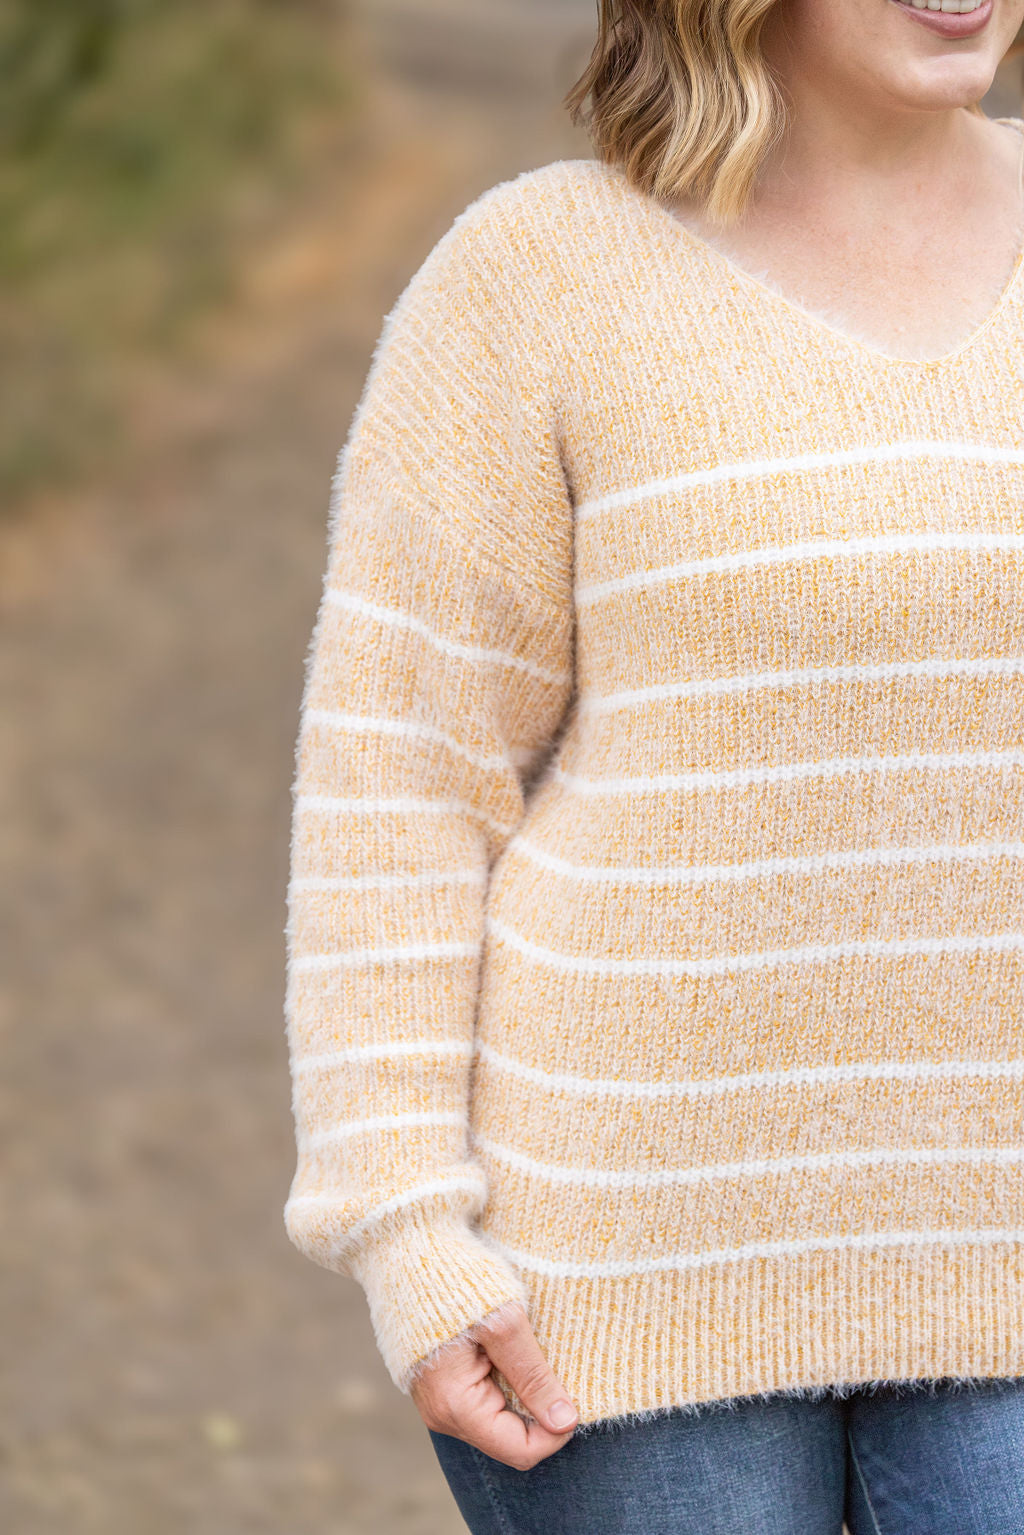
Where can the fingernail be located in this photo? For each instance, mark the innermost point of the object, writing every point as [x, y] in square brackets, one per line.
[561, 1414]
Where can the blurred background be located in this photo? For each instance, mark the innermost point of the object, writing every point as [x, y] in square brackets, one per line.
[206, 209]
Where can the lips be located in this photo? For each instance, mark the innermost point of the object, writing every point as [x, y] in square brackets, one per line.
[948, 23]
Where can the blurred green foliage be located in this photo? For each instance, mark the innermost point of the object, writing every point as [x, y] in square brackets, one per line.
[141, 141]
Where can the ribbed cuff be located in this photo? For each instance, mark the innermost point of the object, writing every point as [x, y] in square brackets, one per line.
[427, 1280]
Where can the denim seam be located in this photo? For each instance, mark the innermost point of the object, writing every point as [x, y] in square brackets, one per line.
[492, 1493]
[863, 1485]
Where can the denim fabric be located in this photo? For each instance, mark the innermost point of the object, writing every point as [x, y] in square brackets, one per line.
[911, 1458]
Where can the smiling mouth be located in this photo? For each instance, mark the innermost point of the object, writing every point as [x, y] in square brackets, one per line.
[950, 7]
[949, 18]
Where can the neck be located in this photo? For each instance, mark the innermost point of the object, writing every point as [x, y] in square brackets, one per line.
[852, 157]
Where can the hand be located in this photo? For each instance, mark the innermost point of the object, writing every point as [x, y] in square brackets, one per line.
[458, 1395]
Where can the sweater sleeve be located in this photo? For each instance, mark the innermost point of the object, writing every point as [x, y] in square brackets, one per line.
[440, 669]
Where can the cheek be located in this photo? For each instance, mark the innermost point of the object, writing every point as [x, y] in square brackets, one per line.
[1015, 25]
[850, 38]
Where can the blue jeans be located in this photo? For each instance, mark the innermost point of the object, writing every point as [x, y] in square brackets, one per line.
[915, 1458]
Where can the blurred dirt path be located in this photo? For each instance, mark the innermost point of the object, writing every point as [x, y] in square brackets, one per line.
[170, 1362]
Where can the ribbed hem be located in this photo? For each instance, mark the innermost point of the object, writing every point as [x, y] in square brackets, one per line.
[427, 1280]
[631, 1349]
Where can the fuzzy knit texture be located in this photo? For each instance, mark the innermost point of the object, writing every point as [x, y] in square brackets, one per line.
[656, 907]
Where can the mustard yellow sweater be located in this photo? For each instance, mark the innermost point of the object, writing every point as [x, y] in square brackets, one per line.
[656, 911]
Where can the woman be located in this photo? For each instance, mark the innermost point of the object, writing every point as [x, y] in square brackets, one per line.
[656, 916]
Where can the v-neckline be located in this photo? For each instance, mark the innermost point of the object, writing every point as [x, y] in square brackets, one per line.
[681, 232]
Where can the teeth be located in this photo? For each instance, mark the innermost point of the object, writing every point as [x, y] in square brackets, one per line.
[956, 7]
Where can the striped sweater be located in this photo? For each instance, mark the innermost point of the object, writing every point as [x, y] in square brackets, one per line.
[656, 907]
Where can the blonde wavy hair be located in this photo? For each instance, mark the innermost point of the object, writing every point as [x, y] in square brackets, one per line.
[682, 98]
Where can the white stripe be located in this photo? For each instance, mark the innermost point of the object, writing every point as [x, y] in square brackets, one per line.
[810, 549]
[759, 469]
[723, 964]
[786, 772]
[597, 1178]
[378, 1122]
[353, 1235]
[907, 1071]
[863, 1241]
[327, 1059]
[396, 618]
[762, 868]
[389, 881]
[385, 955]
[709, 1087]
[707, 687]
[405, 730]
[403, 804]
[515, 756]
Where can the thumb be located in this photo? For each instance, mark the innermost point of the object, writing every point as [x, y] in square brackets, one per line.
[511, 1344]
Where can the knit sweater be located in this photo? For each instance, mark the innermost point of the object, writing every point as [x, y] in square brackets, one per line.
[656, 907]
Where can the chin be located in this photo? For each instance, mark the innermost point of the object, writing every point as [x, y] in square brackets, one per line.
[961, 87]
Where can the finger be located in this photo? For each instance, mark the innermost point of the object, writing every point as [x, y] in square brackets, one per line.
[486, 1420]
[512, 1345]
